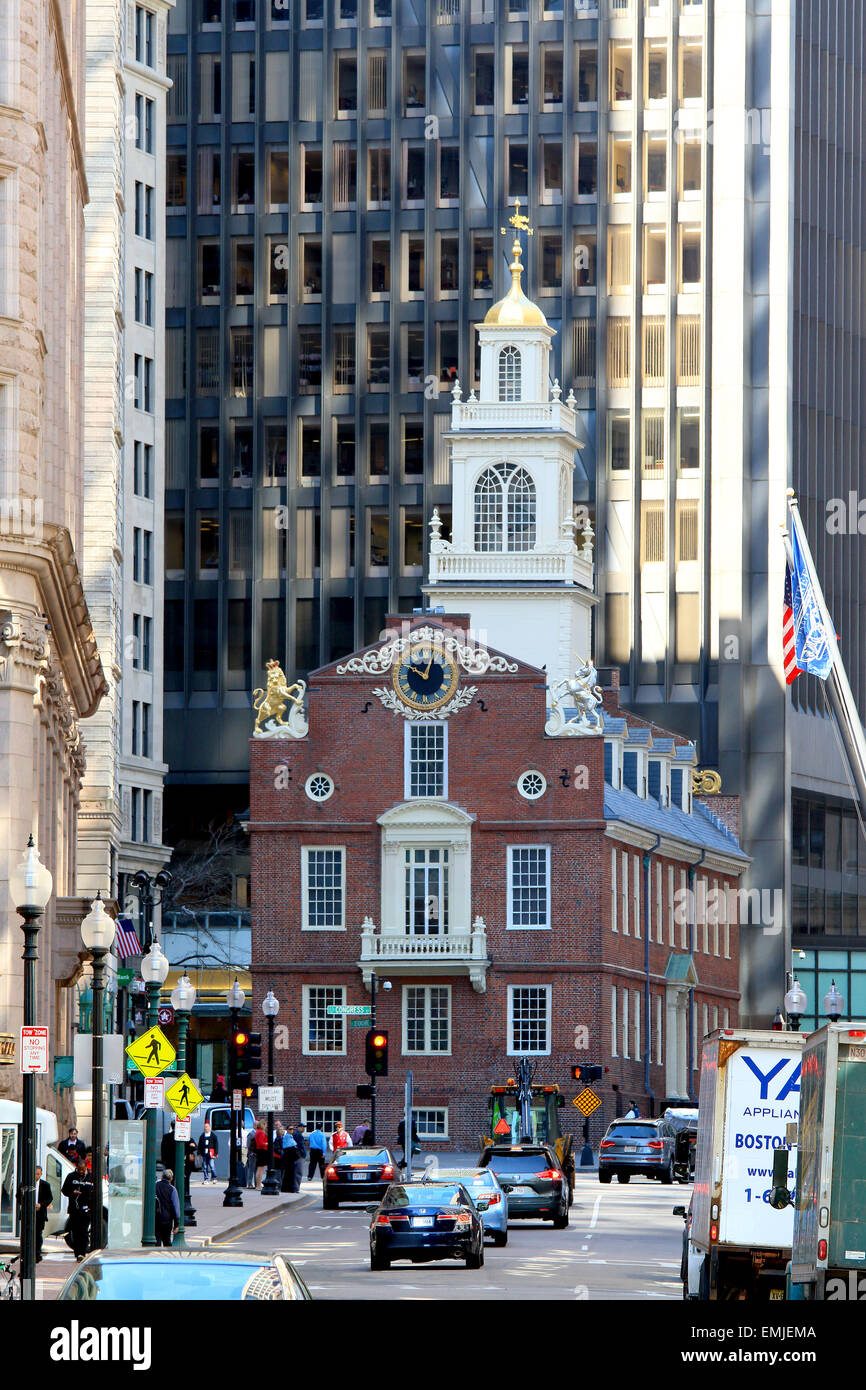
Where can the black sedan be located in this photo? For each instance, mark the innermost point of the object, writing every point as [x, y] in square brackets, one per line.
[357, 1175]
[426, 1221]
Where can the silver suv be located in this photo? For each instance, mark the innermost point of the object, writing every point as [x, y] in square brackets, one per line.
[637, 1146]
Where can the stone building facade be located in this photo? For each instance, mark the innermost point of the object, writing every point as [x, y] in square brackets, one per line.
[51, 676]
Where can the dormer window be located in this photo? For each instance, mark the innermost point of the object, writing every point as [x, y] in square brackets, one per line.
[509, 374]
[612, 763]
[657, 781]
[681, 788]
[504, 509]
[633, 774]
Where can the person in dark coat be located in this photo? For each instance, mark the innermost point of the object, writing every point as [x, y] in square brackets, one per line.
[168, 1151]
[290, 1154]
[167, 1209]
[301, 1159]
[72, 1147]
[78, 1191]
[208, 1148]
[44, 1198]
[219, 1090]
[401, 1140]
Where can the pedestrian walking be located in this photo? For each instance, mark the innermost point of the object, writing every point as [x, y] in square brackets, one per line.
[290, 1154]
[340, 1139]
[71, 1147]
[219, 1090]
[317, 1143]
[362, 1134]
[208, 1147]
[43, 1197]
[78, 1191]
[416, 1144]
[250, 1170]
[279, 1136]
[261, 1138]
[301, 1156]
[167, 1214]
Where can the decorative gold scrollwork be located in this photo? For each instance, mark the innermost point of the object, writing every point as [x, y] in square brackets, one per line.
[706, 783]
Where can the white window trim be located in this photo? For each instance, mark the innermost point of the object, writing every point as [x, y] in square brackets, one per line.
[425, 1051]
[426, 1135]
[305, 895]
[305, 1024]
[614, 1050]
[636, 1020]
[511, 1051]
[509, 923]
[407, 756]
[624, 886]
[625, 1037]
[613, 891]
[635, 888]
[308, 1110]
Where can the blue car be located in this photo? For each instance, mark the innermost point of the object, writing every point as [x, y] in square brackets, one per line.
[486, 1192]
[426, 1221]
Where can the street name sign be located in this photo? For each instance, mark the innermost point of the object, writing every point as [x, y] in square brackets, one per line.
[33, 1056]
[270, 1099]
[349, 1010]
[182, 1131]
[154, 1092]
[125, 977]
[152, 1053]
[184, 1096]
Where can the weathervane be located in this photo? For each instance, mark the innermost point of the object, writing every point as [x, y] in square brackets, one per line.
[520, 222]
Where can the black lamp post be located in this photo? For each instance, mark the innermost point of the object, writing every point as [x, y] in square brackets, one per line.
[236, 1001]
[182, 999]
[97, 933]
[30, 885]
[144, 886]
[154, 969]
[270, 1009]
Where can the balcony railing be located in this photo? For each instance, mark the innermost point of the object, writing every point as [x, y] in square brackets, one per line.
[543, 567]
[446, 952]
[491, 415]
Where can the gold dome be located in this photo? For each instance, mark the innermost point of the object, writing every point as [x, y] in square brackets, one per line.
[515, 310]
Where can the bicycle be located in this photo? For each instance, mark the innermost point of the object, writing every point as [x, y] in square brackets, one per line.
[11, 1288]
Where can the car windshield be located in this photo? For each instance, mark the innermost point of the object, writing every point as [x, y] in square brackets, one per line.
[363, 1157]
[632, 1132]
[481, 1178]
[179, 1280]
[422, 1194]
[519, 1163]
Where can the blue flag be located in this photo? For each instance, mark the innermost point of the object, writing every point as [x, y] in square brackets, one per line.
[811, 638]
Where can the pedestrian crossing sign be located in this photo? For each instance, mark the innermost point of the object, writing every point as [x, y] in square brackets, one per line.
[587, 1101]
[183, 1096]
[152, 1053]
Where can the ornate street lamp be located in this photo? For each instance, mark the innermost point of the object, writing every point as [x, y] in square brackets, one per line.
[834, 1003]
[154, 969]
[30, 885]
[97, 933]
[236, 1000]
[270, 1009]
[182, 999]
[796, 1004]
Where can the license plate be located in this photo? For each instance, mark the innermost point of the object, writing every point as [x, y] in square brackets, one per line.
[630, 1149]
[523, 1191]
[422, 1221]
[359, 1177]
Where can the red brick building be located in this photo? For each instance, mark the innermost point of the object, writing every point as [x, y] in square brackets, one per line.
[525, 893]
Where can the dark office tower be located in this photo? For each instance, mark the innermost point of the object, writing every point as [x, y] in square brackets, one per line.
[338, 174]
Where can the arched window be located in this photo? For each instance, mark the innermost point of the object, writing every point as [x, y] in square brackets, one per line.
[504, 509]
[509, 374]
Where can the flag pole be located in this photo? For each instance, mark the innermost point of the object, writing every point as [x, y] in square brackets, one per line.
[841, 696]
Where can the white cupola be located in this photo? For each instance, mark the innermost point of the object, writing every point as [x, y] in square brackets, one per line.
[517, 560]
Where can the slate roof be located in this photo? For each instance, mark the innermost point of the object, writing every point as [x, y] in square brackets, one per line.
[700, 828]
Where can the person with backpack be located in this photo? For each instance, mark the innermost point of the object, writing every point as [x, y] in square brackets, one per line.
[167, 1214]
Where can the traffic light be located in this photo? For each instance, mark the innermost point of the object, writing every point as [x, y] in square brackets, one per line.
[376, 1052]
[364, 1091]
[240, 1058]
[254, 1051]
[588, 1074]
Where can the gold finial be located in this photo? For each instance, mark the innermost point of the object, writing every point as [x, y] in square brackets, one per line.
[520, 222]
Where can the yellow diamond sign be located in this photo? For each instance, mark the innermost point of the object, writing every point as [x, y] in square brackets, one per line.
[183, 1097]
[152, 1052]
[587, 1101]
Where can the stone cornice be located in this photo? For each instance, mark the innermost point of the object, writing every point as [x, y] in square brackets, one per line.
[51, 561]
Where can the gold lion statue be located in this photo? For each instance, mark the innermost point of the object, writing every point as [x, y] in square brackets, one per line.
[271, 703]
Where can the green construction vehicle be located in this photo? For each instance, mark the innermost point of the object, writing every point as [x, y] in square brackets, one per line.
[523, 1109]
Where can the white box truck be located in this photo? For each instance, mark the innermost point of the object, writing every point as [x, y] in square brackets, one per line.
[749, 1094]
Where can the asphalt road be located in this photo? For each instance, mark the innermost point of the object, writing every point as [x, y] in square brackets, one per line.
[622, 1242]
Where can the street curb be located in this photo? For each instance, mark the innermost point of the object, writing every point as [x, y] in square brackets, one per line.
[237, 1227]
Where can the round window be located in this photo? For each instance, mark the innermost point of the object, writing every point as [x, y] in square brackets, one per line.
[532, 785]
[319, 786]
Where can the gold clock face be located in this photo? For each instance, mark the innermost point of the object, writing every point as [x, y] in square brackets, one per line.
[426, 677]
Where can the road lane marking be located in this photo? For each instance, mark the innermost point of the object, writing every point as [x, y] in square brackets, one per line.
[595, 1211]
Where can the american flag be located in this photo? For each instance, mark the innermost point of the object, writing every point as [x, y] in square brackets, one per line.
[125, 939]
[789, 655]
